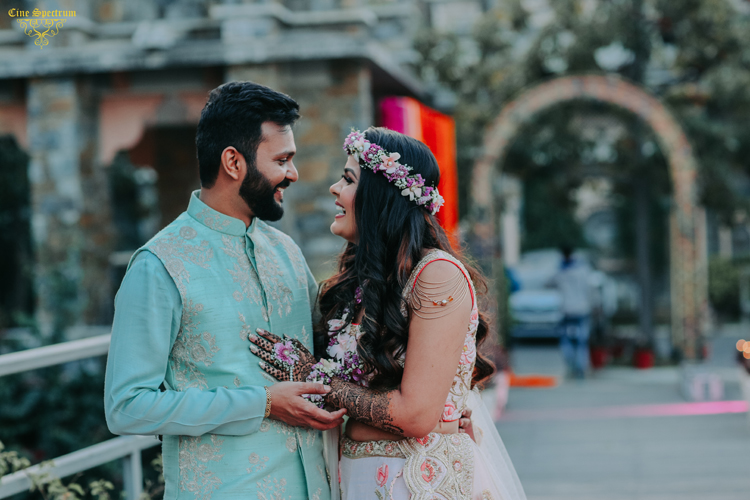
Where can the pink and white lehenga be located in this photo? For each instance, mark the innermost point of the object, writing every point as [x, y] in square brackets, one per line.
[437, 466]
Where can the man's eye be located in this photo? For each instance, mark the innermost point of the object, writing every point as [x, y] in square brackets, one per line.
[282, 161]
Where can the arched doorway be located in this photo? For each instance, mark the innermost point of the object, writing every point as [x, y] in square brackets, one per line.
[688, 269]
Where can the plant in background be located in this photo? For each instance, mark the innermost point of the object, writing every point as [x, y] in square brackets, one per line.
[724, 287]
[51, 487]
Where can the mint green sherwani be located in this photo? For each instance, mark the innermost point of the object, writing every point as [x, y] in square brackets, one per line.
[183, 314]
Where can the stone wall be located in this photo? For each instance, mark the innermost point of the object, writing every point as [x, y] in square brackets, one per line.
[70, 201]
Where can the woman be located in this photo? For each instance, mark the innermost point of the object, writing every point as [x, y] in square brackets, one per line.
[399, 337]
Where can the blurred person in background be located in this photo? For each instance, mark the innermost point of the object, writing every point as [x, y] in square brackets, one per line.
[572, 280]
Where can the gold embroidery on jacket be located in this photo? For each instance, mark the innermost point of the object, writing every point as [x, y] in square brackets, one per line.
[213, 220]
[272, 489]
[257, 462]
[191, 348]
[194, 456]
[173, 250]
[243, 273]
[292, 251]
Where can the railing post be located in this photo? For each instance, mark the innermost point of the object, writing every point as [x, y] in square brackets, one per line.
[132, 475]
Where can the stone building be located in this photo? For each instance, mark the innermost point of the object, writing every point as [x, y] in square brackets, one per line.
[106, 114]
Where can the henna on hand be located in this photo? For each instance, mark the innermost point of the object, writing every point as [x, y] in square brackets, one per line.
[365, 405]
[263, 347]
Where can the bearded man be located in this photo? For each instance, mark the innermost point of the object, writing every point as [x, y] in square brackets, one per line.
[179, 364]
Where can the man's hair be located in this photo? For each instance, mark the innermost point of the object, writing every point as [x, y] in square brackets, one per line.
[233, 116]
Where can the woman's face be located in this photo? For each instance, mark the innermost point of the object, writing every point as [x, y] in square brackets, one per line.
[344, 224]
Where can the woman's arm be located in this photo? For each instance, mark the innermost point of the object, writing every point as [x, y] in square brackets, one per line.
[436, 338]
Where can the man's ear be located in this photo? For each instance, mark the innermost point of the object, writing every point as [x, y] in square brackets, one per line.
[233, 164]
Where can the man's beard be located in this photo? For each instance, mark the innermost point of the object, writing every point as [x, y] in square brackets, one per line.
[259, 193]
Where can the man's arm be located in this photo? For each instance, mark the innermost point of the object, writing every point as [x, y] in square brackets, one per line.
[148, 311]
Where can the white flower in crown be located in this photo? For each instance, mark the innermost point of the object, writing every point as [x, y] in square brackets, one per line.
[437, 202]
[413, 192]
[360, 146]
[373, 156]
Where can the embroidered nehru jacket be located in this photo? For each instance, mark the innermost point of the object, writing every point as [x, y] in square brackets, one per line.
[183, 314]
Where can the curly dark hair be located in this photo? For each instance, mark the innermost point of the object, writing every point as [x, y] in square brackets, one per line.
[233, 116]
[393, 233]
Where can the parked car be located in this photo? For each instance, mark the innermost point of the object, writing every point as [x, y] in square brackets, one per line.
[536, 308]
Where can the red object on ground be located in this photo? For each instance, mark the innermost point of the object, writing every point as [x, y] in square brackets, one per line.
[643, 358]
[598, 357]
[532, 380]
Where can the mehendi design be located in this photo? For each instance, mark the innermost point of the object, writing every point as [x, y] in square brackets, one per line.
[263, 347]
[365, 405]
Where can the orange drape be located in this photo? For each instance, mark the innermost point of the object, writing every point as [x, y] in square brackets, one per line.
[438, 132]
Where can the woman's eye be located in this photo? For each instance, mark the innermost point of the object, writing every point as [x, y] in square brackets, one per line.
[347, 179]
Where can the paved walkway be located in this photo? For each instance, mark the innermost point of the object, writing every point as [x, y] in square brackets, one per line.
[627, 434]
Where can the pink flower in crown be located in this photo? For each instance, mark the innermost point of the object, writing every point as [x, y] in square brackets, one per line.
[372, 153]
[285, 352]
[390, 162]
[400, 172]
[382, 475]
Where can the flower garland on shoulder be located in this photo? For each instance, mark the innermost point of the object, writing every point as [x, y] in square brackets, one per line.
[375, 158]
[344, 361]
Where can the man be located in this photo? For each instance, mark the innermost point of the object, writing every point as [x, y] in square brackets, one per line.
[179, 363]
[572, 281]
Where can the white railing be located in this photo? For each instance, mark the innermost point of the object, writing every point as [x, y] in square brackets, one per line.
[127, 448]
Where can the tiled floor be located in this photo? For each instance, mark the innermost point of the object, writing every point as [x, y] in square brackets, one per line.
[597, 439]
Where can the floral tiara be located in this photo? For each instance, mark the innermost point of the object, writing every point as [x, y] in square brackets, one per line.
[377, 159]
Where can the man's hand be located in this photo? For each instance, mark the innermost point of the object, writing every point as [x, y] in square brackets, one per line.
[288, 405]
[466, 425]
[263, 347]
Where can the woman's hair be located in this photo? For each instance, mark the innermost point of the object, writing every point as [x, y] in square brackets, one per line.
[393, 232]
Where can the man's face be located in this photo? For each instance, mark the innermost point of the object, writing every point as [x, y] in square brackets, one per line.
[263, 186]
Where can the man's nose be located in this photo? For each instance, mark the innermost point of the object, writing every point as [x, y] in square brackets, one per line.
[292, 173]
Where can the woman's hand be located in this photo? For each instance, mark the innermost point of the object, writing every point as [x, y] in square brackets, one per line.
[264, 346]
